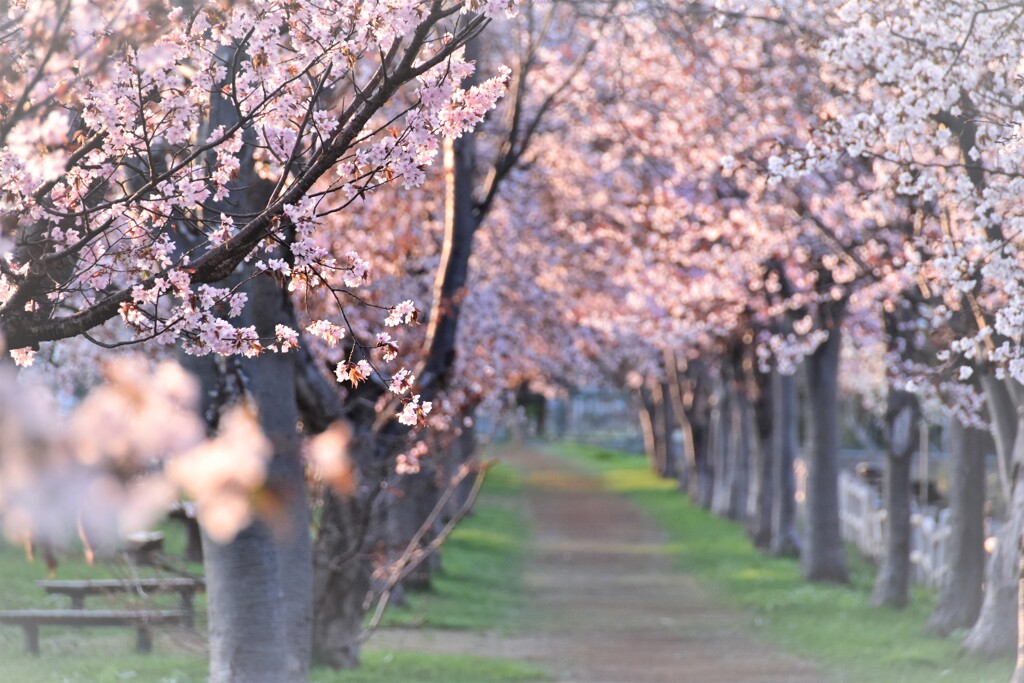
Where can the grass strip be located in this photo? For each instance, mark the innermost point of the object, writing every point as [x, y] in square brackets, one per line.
[478, 589]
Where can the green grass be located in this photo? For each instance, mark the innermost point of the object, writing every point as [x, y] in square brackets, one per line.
[394, 667]
[479, 589]
[833, 625]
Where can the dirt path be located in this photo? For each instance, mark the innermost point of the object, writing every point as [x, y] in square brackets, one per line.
[606, 605]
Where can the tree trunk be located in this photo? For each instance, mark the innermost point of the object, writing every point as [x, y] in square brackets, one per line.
[667, 425]
[762, 483]
[960, 594]
[740, 459]
[1003, 417]
[892, 585]
[823, 558]
[653, 446]
[259, 585]
[721, 448]
[464, 450]
[690, 399]
[996, 629]
[342, 580]
[784, 444]
[412, 497]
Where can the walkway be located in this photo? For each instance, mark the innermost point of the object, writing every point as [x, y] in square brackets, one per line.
[606, 605]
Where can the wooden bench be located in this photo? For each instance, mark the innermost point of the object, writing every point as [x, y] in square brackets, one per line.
[31, 619]
[185, 587]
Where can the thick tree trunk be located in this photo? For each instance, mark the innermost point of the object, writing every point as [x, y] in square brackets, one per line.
[259, 585]
[823, 558]
[996, 629]
[892, 586]
[342, 570]
[412, 497]
[960, 595]
[784, 541]
[246, 614]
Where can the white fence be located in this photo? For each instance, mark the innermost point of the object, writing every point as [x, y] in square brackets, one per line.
[863, 521]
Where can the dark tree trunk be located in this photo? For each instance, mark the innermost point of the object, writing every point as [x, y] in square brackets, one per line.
[784, 541]
[960, 594]
[762, 491]
[892, 586]
[740, 460]
[690, 398]
[342, 571]
[658, 423]
[412, 497]
[823, 558]
[667, 468]
[996, 629]
[702, 486]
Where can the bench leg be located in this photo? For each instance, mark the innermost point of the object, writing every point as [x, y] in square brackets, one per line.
[31, 639]
[143, 640]
[77, 601]
[187, 608]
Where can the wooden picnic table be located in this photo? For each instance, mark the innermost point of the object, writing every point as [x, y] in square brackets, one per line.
[185, 587]
[31, 619]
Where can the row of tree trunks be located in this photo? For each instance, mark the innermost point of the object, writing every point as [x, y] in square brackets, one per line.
[739, 443]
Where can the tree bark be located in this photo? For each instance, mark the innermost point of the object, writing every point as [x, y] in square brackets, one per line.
[823, 558]
[692, 403]
[648, 424]
[342, 582]
[740, 457]
[892, 585]
[721, 449]
[259, 585]
[667, 425]
[784, 541]
[762, 483]
[996, 629]
[960, 594]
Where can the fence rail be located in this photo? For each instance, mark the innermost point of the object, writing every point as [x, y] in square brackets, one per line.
[863, 522]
